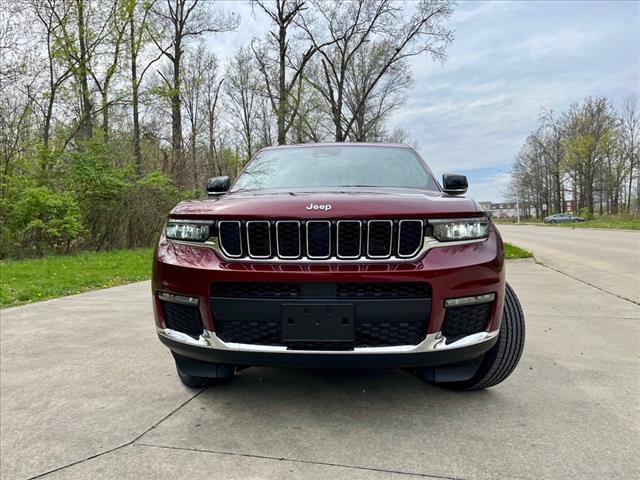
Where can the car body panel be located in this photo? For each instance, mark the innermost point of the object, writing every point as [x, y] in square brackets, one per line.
[458, 270]
[345, 203]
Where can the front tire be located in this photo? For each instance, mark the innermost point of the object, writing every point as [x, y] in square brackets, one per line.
[499, 362]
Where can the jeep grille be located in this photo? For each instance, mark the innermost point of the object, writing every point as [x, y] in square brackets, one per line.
[342, 240]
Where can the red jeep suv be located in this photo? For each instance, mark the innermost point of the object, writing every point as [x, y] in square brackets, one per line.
[336, 256]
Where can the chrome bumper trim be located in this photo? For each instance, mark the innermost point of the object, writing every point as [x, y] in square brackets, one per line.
[433, 342]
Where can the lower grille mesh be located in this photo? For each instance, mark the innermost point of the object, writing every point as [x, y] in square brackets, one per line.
[462, 321]
[341, 291]
[368, 334]
[182, 318]
[386, 313]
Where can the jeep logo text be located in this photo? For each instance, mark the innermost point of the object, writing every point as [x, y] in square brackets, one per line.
[314, 206]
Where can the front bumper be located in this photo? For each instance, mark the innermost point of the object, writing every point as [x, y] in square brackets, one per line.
[433, 351]
[451, 271]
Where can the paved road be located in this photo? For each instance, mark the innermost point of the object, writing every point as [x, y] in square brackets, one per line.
[606, 259]
[87, 391]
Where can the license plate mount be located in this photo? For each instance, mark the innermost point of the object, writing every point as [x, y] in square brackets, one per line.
[317, 322]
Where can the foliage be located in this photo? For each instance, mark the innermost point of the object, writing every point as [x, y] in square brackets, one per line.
[87, 202]
[32, 280]
[585, 160]
[42, 220]
[586, 214]
[512, 252]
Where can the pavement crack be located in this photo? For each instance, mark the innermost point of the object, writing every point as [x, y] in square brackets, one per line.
[91, 457]
[293, 460]
[542, 264]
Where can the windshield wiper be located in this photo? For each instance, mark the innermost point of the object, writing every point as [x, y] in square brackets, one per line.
[357, 185]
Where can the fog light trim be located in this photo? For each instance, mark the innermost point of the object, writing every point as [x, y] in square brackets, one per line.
[181, 299]
[464, 301]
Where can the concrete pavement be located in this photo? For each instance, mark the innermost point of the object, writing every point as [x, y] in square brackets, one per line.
[87, 391]
[606, 259]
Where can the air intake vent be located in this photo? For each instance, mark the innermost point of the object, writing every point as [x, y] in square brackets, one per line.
[230, 238]
[319, 239]
[462, 321]
[182, 318]
[288, 239]
[410, 237]
[259, 239]
[379, 238]
[349, 238]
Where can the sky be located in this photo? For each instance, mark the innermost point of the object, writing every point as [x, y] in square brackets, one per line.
[508, 61]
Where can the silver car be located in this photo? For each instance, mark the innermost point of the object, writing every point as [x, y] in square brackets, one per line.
[562, 218]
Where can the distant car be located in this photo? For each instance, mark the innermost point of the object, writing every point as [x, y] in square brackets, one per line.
[562, 218]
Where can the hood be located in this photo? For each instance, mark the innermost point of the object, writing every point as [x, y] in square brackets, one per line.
[354, 203]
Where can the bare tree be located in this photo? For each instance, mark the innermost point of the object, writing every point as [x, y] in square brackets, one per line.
[196, 66]
[590, 133]
[382, 38]
[241, 88]
[211, 98]
[57, 75]
[630, 132]
[183, 20]
[137, 16]
[281, 73]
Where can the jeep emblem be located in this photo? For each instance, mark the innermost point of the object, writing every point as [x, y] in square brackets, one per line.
[315, 206]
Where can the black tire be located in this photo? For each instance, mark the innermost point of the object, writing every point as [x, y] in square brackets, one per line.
[499, 362]
[552, 221]
[576, 221]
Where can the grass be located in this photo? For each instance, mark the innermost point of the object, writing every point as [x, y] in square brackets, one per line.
[511, 252]
[623, 222]
[25, 281]
[607, 221]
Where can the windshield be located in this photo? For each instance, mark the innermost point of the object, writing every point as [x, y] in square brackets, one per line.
[335, 166]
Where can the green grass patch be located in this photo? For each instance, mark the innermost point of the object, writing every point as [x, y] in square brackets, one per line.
[607, 221]
[511, 252]
[24, 281]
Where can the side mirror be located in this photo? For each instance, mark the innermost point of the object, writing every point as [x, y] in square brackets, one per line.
[454, 184]
[217, 186]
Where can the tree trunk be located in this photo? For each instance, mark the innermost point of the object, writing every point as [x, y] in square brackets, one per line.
[135, 98]
[86, 122]
[282, 89]
[176, 109]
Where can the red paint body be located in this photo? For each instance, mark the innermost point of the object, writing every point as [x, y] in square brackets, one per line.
[454, 271]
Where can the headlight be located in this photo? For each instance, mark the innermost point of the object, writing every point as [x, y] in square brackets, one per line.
[451, 229]
[188, 230]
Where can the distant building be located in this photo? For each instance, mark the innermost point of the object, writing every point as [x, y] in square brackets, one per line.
[507, 210]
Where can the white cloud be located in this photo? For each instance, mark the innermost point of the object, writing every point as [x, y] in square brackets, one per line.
[490, 188]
